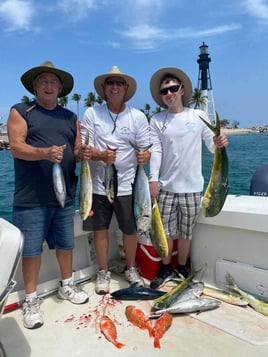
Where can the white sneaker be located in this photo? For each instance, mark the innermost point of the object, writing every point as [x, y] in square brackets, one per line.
[133, 277]
[73, 293]
[32, 316]
[102, 285]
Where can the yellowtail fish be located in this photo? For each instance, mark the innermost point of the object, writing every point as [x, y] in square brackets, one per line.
[157, 232]
[257, 304]
[188, 306]
[59, 184]
[110, 182]
[217, 189]
[109, 330]
[142, 203]
[85, 194]
[166, 300]
[226, 296]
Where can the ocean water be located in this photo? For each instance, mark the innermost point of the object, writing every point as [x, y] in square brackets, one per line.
[246, 152]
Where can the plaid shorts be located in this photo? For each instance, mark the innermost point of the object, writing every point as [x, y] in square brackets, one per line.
[179, 212]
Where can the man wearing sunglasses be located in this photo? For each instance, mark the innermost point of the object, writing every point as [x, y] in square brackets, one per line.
[175, 166]
[111, 127]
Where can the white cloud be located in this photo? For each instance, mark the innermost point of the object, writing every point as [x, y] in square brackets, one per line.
[258, 9]
[78, 9]
[147, 37]
[17, 14]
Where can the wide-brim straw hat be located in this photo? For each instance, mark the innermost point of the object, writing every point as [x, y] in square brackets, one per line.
[115, 72]
[48, 67]
[157, 78]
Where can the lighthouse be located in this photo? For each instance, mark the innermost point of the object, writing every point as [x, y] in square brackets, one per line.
[204, 82]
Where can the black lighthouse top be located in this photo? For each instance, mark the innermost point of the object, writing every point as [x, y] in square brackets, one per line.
[204, 81]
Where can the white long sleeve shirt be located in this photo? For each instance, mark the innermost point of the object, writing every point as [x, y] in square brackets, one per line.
[131, 126]
[176, 154]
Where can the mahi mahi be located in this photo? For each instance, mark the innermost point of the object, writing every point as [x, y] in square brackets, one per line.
[85, 194]
[258, 305]
[217, 188]
[157, 233]
[59, 184]
[166, 300]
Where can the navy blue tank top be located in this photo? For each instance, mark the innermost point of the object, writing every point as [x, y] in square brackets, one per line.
[33, 179]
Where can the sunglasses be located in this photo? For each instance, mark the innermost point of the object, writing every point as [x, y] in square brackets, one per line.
[111, 82]
[172, 89]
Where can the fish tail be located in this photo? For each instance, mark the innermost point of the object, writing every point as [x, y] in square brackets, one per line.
[119, 344]
[151, 331]
[217, 128]
[156, 342]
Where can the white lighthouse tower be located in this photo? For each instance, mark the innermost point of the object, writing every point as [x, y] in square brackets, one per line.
[204, 82]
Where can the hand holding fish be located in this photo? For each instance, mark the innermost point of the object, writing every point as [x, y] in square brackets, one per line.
[85, 152]
[143, 157]
[55, 153]
[154, 188]
[220, 141]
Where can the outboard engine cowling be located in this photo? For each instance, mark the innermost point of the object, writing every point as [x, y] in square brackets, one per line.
[259, 182]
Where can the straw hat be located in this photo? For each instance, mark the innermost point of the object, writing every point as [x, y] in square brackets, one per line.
[157, 78]
[115, 72]
[48, 67]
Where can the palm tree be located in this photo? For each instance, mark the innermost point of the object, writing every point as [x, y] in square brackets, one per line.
[76, 97]
[90, 100]
[99, 100]
[146, 111]
[63, 101]
[25, 99]
[197, 99]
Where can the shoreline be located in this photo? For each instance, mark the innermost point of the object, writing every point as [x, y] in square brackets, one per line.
[232, 131]
[226, 131]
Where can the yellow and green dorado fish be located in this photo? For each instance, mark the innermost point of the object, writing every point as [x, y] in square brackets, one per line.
[217, 189]
[85, 194]
[257, 304]
[157, 232]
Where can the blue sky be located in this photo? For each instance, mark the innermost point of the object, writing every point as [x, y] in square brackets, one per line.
[87, 37]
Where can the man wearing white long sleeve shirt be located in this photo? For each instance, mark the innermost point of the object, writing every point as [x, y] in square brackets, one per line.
[176, 163]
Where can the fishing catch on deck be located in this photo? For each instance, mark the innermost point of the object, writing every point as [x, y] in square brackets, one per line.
[137, 317]
[217, 189]
[171, 296]
[142, 204]
[157, 232]
[109, 330]
[257, 304]
[59, 184]
[161, 326]
[137, 293]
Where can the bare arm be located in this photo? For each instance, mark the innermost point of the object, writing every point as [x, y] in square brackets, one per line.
[17, 133]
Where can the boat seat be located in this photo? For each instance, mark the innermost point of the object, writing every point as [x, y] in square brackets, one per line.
[11, 245]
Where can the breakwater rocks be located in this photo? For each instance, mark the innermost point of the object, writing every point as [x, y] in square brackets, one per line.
[4, 144]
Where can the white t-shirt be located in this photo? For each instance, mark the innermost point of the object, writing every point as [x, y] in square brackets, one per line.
[176, 154]
[131, 126]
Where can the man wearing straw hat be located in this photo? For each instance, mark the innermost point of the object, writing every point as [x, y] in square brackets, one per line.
[111, 127]
[43, 134]
[175, 166]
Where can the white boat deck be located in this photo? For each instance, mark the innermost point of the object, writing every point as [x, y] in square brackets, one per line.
[74, 330]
